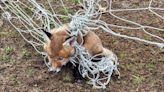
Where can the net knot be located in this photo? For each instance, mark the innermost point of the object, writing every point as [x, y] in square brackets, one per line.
[7, 16]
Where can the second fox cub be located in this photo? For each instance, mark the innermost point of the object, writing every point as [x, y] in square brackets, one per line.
[60, 47]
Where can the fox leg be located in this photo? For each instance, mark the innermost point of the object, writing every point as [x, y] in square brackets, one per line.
[76, 74]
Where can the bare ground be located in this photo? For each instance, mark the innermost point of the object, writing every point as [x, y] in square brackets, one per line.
[23, 70]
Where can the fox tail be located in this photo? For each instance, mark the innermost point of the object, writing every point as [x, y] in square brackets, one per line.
[109, 54]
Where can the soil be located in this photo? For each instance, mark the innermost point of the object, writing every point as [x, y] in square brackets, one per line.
[141, 65]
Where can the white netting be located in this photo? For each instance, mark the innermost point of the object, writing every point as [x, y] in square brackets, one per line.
[29, 16]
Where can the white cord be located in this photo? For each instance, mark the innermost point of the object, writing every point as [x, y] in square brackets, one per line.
[33, 16]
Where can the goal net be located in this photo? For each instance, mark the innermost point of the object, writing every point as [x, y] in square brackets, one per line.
[140, 20]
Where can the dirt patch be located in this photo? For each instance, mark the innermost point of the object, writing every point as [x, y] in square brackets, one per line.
[22, 69]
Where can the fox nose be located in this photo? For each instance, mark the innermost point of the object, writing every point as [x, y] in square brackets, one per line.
[55, 70]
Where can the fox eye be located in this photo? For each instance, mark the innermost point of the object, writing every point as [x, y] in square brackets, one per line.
[60, 58]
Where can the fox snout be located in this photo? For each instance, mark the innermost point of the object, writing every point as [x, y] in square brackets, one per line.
[56, 70]
[55, 65]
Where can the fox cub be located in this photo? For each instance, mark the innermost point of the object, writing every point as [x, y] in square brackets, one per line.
[59, 51]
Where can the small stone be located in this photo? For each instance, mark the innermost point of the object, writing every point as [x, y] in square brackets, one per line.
[79, 81]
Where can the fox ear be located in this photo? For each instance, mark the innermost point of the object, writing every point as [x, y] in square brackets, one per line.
[69, 41]
[49, 35]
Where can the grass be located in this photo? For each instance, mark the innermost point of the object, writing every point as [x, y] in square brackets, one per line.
[121, 56]
[67, 78]
[15, 80]
[6, 54]
[65, 11]
[8, 50]
[26, 53]
[28, 11]
[137, 79]
[51, 26]
[36, 90]
[30, 72]
[161, 59]
[64, 19]
[2, 68]
[76, 1]
[5, 58]
[147, 37]
[14, 33]
[151, 65]
[68, 84]
[6, 33]
[3, 33]
[130, 66]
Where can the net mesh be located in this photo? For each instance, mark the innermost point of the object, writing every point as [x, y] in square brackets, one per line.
[121, 16]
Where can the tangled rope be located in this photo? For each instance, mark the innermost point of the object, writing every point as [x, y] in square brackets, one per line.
[32, 15]
[99, 73]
